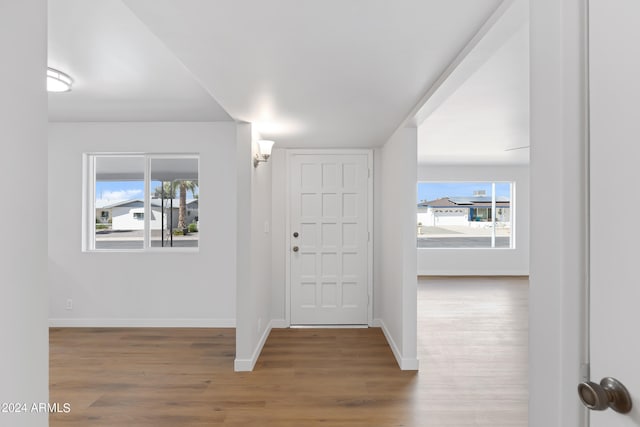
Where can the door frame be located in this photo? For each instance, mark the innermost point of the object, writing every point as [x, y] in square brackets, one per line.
[289, 155]
[558, 341]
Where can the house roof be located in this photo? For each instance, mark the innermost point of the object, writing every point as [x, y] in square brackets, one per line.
[176, 202]
[464, 202]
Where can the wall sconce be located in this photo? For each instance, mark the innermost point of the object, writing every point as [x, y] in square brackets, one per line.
[264, 152]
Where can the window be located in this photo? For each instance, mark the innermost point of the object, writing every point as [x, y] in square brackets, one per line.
[465, 215]
[121, 188]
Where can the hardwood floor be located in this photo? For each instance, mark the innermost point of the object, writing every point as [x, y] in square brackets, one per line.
[473, 350]
[472, 346]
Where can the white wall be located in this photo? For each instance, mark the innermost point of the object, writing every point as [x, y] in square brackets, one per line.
[145, 289]
[556, 292]
[442, 262]
[279, 237]
[23, 172]
[254, 290]
[395, 281]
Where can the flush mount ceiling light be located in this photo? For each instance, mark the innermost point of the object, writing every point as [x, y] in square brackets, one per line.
[57, 81]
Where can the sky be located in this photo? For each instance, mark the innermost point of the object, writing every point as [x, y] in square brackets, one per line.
[437, 190]
[109, 192]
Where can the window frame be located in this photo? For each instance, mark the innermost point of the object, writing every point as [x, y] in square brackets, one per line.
[89, 198]
[493, 209]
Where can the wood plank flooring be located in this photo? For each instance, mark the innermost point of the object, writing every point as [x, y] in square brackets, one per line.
[473, 351]
[472, 346]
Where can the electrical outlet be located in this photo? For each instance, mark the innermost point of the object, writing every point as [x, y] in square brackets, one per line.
[69, 305]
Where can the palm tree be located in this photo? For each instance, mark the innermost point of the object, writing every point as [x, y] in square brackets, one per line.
[165, 191]
[182, 213]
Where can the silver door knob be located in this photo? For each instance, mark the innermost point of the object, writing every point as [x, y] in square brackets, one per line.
[610, 393]
[295, 249]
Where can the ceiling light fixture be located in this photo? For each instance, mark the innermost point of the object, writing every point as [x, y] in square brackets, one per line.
[264, 152]
[57, 81]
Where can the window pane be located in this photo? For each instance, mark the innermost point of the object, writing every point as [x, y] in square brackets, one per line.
[119, 202]
[460, 215]
[174, 220]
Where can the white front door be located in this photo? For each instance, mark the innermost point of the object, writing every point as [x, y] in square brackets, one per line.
[615, 200]
[329, 233]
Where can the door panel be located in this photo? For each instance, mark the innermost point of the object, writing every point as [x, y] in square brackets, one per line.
[615, 200]
[329, 211]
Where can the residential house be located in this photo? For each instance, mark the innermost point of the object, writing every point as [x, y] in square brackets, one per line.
[104, 215]
[469, 211]
[129, 214]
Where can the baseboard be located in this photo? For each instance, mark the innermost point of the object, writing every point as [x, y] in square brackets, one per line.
[279, 323]
[405, 364]
[515, 273]
[244, 365]
[141, 323]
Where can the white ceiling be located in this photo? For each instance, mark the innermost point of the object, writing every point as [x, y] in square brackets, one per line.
[307, 73]
[486, 115]
[122, 72]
